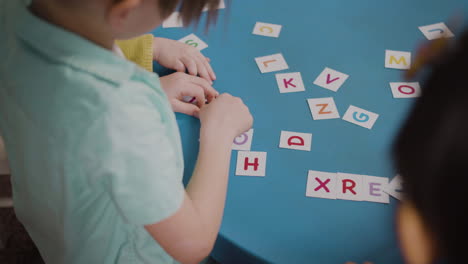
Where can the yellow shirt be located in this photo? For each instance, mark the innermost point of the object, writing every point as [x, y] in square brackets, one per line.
[139, 50]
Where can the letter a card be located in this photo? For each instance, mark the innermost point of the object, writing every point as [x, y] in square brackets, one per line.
[295, 140]
[250, 163]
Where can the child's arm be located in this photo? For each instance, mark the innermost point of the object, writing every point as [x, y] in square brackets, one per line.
[169, 53]
[178, 85]
[190, 233]
[182, 57]
[175, 55]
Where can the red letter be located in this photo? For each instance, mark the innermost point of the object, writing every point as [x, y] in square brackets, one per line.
[322, 185]
[300, 143]
[330, 81]
[350, 188]
[406, 86]
[286, 83]
[247, 164]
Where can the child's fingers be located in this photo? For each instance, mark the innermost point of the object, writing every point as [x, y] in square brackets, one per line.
[210, 92]
[210, 69]
[207, 59]
[196, 90]
[205, 85]
[202, 71]
[191, 65]
[179, 66]
[186, 108]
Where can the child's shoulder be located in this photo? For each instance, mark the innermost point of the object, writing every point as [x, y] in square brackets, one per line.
[113, 102]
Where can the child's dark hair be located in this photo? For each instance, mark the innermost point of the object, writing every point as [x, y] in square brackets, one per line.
[190, 10]
[431, 153]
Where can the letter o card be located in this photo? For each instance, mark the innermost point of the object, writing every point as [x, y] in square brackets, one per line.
[251, 163]
[406, 90]
[360, 117]
[290, 82]
[267, 30]
[243, 141]
[435, 31]
[349, 187]
[321, 185]
[194, 41]
[295, 140]
[331, 79]
[323, 108]
[397, 59]
[271, 63]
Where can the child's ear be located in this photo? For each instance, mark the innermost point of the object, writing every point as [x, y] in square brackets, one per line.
[417, 243]
[119, 12]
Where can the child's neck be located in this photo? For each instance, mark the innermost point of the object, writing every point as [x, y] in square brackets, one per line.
[75, 22]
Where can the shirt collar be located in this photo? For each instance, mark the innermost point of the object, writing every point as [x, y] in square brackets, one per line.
[66, 47]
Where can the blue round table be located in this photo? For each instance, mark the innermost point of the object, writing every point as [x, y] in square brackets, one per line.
[269, 219]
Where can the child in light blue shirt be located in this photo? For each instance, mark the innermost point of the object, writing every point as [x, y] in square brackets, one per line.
[93, 145]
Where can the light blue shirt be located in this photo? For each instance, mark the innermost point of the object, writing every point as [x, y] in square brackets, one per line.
[93, 144]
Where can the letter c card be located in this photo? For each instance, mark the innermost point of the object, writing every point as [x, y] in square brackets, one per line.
[267, 30]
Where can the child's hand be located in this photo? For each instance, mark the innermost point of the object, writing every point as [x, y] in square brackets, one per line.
[178, 85]
[181, 57]
[225, 116]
